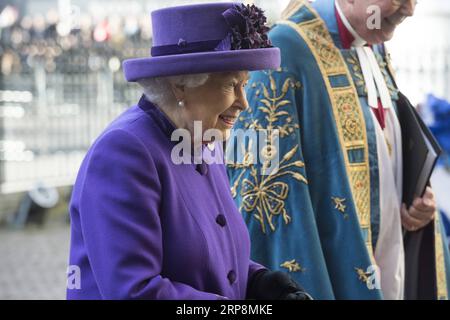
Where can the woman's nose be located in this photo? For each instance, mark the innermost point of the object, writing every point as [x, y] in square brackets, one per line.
[241, 98]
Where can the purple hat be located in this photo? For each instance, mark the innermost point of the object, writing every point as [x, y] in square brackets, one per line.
[203, 38]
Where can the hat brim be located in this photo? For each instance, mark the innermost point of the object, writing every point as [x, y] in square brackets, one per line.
[202, 62]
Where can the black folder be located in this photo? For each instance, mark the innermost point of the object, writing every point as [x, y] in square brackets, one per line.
[420, 151]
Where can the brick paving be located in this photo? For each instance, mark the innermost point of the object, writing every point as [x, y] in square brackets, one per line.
[33, 262]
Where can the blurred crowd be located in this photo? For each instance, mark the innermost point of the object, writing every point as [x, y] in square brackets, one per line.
[60, 84]
[84, 40]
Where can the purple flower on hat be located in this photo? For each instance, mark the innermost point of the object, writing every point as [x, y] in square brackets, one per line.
[248, 29]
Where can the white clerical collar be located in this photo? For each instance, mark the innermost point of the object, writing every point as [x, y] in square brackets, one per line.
[359, 41]
[373, 77]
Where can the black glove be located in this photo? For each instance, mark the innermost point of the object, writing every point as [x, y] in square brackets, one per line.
[274, 285]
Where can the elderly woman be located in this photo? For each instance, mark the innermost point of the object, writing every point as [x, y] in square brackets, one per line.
[144, 227]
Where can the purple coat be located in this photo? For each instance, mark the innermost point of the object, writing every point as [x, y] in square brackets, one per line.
[145, 228]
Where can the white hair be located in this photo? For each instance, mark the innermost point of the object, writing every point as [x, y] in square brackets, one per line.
[158, 90]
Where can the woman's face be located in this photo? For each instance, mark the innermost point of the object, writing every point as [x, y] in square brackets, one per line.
[217, 103]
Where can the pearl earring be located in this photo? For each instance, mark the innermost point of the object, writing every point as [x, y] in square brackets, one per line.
[181, 104]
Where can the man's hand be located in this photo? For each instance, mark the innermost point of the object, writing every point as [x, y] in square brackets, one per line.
[420, 213]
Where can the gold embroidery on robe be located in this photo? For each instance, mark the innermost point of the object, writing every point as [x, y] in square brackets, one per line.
[292, 266]
[266, 194]
[441, 278]
[339, 204]
[362, 275]
[347, 112]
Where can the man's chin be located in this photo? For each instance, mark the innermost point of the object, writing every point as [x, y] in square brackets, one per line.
[386, 36]
[388, 29]
[380, 36]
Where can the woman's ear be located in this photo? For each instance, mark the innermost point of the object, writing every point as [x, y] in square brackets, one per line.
[178, 91]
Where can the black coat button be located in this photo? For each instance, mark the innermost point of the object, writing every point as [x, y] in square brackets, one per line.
[221, 220]
[202, 168]
[231, 276]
